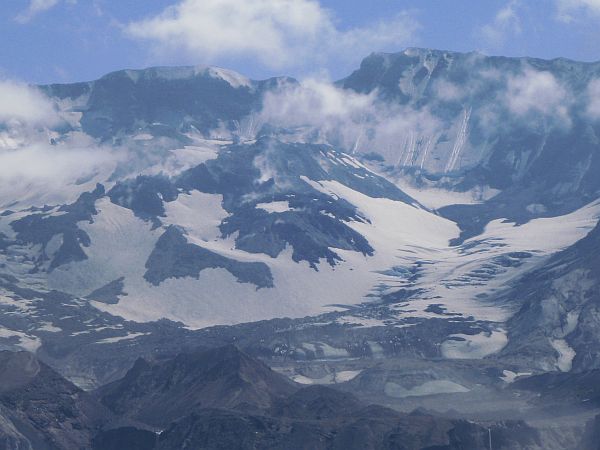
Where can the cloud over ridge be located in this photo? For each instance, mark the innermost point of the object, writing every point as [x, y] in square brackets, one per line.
[277, 33]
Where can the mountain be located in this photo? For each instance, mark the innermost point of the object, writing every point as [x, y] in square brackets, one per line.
[557, 321]
[157, 393]
[422, 233]
[41, 410]
[222, 398]
[163, 101]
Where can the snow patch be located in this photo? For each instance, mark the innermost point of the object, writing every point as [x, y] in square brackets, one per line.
[566, 354]
[275, 207]
[477, 346]
[435, 387]
[436, 198]
[25, 341]
[508, 376]
[127, 337]
[234, 79]
[330, 378]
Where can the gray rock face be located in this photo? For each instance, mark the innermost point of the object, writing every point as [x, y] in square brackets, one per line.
[174, 257]
[109, 293]
[41, 410]
[163, 101]
[233, 402]
[158, 393]
[559, 303]
[40, 227]
[533, 154]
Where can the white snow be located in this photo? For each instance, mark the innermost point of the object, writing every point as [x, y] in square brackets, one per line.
[346, 375]
[275, 207]
[127, 337]
[185, 158]
[333, 352]
[47, 326]
[474, 346]
[330, 378]
[361, 321]
[435, 198]
[233, 78]
[508, 376]
[566, 354]
[198, 213]
[25, 341]
[434, 387]
[459, 143]
[402, 235]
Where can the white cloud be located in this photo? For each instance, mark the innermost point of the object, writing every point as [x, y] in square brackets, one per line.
[35, 172]
[35, 158]
[593, 95]
[277, 33]
[35, 7]
[72, 158]
[317, 110]
[569, 10]
[25, 105]
[506, 23]
[448, 91]
[539, 93]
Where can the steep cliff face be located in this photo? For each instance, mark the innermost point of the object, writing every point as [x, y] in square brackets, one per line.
[519, 128]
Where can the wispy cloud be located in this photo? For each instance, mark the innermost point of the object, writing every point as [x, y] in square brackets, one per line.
[537, 92]
[319, 111]
[571, 10]
[25, 105]
[506, 24]
[36, 156]
[593, 95]
[277, 33]
[36, 7]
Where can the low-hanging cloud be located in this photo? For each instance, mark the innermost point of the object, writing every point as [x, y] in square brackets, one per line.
[41, 154]
[539, 93]
[75, 157]
[593, 96]
[354, 121]
[413, 133]
[277, 33]
[25, 105]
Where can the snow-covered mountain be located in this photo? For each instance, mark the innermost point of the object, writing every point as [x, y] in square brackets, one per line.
[423, 201]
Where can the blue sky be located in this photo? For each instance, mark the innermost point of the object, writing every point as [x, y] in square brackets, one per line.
[71, 40]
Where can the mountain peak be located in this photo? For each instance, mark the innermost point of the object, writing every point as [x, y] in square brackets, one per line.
[223, 377]
[17, 369]
[235, 79]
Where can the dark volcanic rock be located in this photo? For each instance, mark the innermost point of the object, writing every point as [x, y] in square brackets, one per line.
[591, 436]
[174, 257]
[158, 393]
[129, 438]
[41, 410]
[222, 399]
